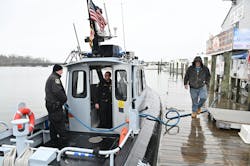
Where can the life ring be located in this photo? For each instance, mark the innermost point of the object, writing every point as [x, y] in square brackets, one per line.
[25, 111]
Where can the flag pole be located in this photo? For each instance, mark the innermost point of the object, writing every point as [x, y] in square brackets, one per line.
[95, 46]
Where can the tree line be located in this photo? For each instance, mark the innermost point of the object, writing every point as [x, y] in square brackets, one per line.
[14, 60]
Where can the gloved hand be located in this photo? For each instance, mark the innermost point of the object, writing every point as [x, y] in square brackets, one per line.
[66, 106]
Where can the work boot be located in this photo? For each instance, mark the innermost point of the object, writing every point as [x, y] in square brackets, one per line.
[199, 111]
[193, 115]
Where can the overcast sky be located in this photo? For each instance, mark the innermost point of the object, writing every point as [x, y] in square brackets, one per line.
[154, 29]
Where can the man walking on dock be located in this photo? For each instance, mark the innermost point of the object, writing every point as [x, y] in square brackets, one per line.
[197, 77]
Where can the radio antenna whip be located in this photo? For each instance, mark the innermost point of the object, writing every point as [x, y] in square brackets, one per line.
[124, 43]
[78, 44]
[107, 19]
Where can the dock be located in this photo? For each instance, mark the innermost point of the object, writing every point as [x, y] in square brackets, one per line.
[197, 141]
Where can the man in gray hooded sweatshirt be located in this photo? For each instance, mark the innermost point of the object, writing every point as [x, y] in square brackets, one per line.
[197, 77]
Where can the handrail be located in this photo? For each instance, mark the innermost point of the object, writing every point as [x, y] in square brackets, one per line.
[5, 125]
[101, 152]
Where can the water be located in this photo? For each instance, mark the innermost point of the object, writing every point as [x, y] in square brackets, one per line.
[22, 84]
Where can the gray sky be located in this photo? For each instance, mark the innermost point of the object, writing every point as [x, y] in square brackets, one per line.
[154, 29]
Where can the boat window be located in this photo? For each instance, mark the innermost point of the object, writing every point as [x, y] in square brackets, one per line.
[121, 85]
[94, 77]
[143, 80]
[140, 82]
[79, 84]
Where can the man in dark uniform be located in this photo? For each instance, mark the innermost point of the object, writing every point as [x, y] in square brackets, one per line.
[103, 101]
[55, 98]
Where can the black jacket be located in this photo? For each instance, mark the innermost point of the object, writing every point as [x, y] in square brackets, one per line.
[54, 90]
[104, 92]
[197, 79]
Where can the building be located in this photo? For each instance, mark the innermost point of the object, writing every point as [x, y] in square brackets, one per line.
[230, 54]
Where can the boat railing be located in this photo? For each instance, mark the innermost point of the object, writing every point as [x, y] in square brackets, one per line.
[5, 125]
[111, 153]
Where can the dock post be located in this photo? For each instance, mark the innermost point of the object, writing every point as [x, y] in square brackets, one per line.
[173, 68]
[248, 65]
[213, 67]
[170, 68]
[177, 68]
[206, 61]
[186, 67]
[161, 66]
[248, 95]
[226, 77]
[158, 67]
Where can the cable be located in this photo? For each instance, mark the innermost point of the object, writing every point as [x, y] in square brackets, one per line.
[9, 158]
[161, 121]
[189, 114]
[90, 128]
[23, 159]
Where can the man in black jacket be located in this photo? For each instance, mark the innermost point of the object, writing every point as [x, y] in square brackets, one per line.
[103, 101]
[198, 77]
[55, 98]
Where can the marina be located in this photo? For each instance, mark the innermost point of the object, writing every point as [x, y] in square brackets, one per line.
[106, 105]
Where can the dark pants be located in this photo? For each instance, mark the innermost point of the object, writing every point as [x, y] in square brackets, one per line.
[58, 133]
[105, 115]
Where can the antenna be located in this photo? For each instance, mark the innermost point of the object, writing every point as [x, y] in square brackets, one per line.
[124, 43]
[115, 31]
[78, 45]
[107, 19]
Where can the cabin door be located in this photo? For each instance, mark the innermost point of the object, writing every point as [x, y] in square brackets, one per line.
[121, 93]
[78, 97]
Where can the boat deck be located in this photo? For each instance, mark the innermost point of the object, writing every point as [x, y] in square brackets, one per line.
[96, 141]
[89, 140]
[198, 141]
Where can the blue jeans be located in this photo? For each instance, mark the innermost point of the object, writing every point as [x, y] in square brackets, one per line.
[199, 97]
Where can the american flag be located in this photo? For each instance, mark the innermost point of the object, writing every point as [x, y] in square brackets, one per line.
[96, 15]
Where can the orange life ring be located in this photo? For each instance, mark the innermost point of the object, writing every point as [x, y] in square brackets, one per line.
[25, 111]
[124, 132]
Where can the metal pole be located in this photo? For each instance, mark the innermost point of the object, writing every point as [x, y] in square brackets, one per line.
[78, 44]
[124, 43]
[111, 162]
[107, 19]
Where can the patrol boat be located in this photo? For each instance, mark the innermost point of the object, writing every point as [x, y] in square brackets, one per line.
[133, 138]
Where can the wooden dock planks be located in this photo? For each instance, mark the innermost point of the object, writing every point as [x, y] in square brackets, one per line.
[199, 142]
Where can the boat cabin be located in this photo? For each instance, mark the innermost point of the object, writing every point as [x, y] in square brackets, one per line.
[83, 77]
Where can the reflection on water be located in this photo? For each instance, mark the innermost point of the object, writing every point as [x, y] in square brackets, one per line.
[193, 151]
[222, 102]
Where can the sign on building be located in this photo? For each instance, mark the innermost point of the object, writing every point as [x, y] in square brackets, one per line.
[241, 39]
[220, 43]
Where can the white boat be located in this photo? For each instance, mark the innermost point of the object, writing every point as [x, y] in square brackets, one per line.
[132, 140]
